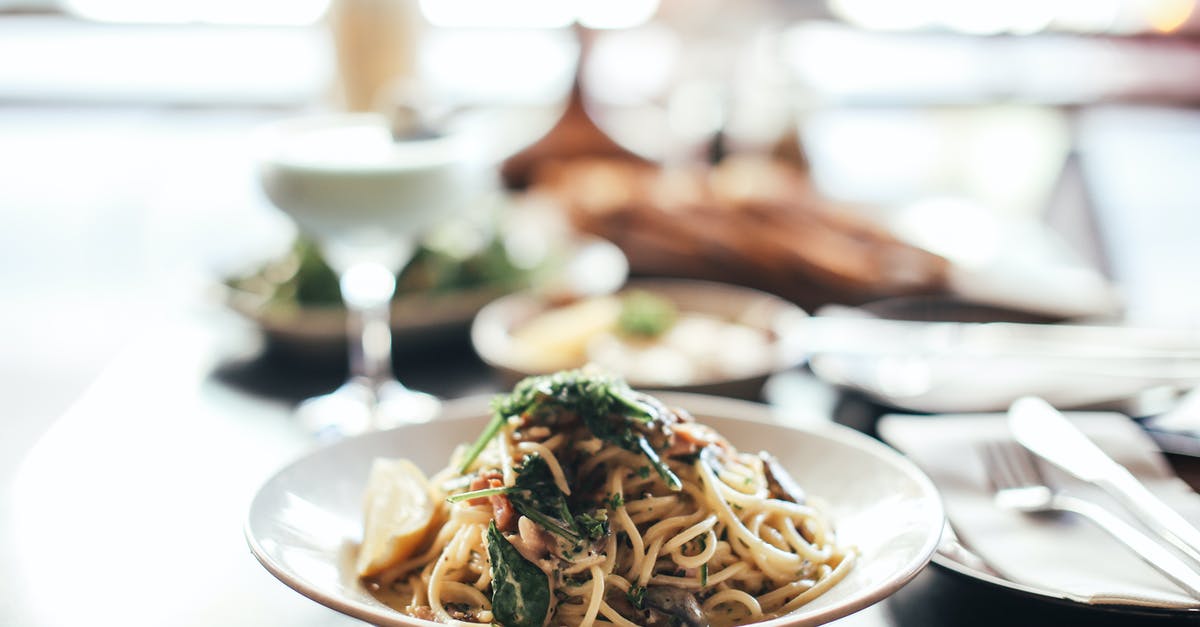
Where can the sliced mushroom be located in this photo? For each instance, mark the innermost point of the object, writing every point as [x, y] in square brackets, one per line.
[676, 602]
[779, 483]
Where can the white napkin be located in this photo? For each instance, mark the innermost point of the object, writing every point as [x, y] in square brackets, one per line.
[1064, 555]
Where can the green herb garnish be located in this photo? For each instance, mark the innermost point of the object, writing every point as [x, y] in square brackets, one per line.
[594, 526]
[489, 432]
[645, 315]
[609, 408]
[637, 596]
[473, 494]
[537, 497]
[520, 590]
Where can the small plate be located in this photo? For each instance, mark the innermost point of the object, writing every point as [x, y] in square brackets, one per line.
[424, 318]
[305, 523]
[492, 331]
[314, 333]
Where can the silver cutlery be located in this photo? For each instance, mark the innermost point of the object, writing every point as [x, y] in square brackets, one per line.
[1018, 484]
[1047, 433]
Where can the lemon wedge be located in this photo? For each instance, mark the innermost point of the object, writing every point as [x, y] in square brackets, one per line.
[398, 511]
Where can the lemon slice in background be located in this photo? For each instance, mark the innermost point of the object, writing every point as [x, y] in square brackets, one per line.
[559, 337]
[398, 510]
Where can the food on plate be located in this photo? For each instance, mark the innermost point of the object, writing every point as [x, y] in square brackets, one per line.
[584, 502]
[643, 336]
[302, 278]
[397, 514]
[748, 220]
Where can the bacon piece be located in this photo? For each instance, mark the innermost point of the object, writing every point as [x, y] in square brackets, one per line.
[503, 512]
[688, 438]
[502, 509]
[489, 479]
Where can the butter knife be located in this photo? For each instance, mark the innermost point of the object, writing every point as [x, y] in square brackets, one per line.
[1049, 435]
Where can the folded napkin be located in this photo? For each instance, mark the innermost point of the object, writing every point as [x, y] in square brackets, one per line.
[1063, 555]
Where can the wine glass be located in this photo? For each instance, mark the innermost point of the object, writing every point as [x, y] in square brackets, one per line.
[366, 193]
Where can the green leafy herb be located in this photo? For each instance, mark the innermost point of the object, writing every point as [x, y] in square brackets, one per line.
[594, 526]
[607, 405]
[668, 477]
[585, 393]
[537, 497]
[637, 596]
[520, 590]
[644, 314]
[704, 574]
[303, 277]
[643, 472]
[473, 494]
[315, 283]
[614, 501]
[489, 432]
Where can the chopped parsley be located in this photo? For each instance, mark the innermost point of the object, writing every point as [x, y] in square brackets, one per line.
[637, 596]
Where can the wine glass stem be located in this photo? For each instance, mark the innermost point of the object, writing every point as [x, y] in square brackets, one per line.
[367, 289]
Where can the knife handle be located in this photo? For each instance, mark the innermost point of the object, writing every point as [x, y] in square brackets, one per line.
[1155, 514]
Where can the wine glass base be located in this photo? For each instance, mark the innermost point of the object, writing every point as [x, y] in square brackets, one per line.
[357, 407]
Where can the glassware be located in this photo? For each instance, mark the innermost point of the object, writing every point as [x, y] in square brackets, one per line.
[366, 195]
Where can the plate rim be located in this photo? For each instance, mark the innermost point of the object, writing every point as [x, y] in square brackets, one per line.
[959, 569]
[699, 404]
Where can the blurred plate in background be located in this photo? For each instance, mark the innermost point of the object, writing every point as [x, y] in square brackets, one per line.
[718, 338]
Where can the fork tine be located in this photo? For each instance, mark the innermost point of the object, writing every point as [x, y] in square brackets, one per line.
[1025, 464]
[996, 466]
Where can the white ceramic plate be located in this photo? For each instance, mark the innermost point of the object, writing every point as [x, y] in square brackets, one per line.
[492, 331]
[305, 522]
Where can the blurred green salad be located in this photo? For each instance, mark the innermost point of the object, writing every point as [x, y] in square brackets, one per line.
[303, 278]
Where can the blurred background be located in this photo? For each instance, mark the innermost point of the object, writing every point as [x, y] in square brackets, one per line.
[1027, 135]
[1020, 160]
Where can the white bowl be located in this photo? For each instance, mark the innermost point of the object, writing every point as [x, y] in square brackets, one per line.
[493, 328]
[305, 523]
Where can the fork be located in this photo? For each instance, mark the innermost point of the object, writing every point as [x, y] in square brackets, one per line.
[1018, 485]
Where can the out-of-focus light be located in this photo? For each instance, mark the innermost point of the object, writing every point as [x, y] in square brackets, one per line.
[634, 66]
[616, 13]
[952, 227]
[1027, 17]
[883, 14]
[1086, 16]
[499, 14]
[1167, 16]
[974, 17]
[991, 17]
[538, 13]
[282, 12]
[696, 110]
[844, 63]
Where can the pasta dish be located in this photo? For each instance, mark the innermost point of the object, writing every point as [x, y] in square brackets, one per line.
[584, 502]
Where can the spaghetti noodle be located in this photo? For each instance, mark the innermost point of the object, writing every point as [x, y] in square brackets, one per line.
[587, 503]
